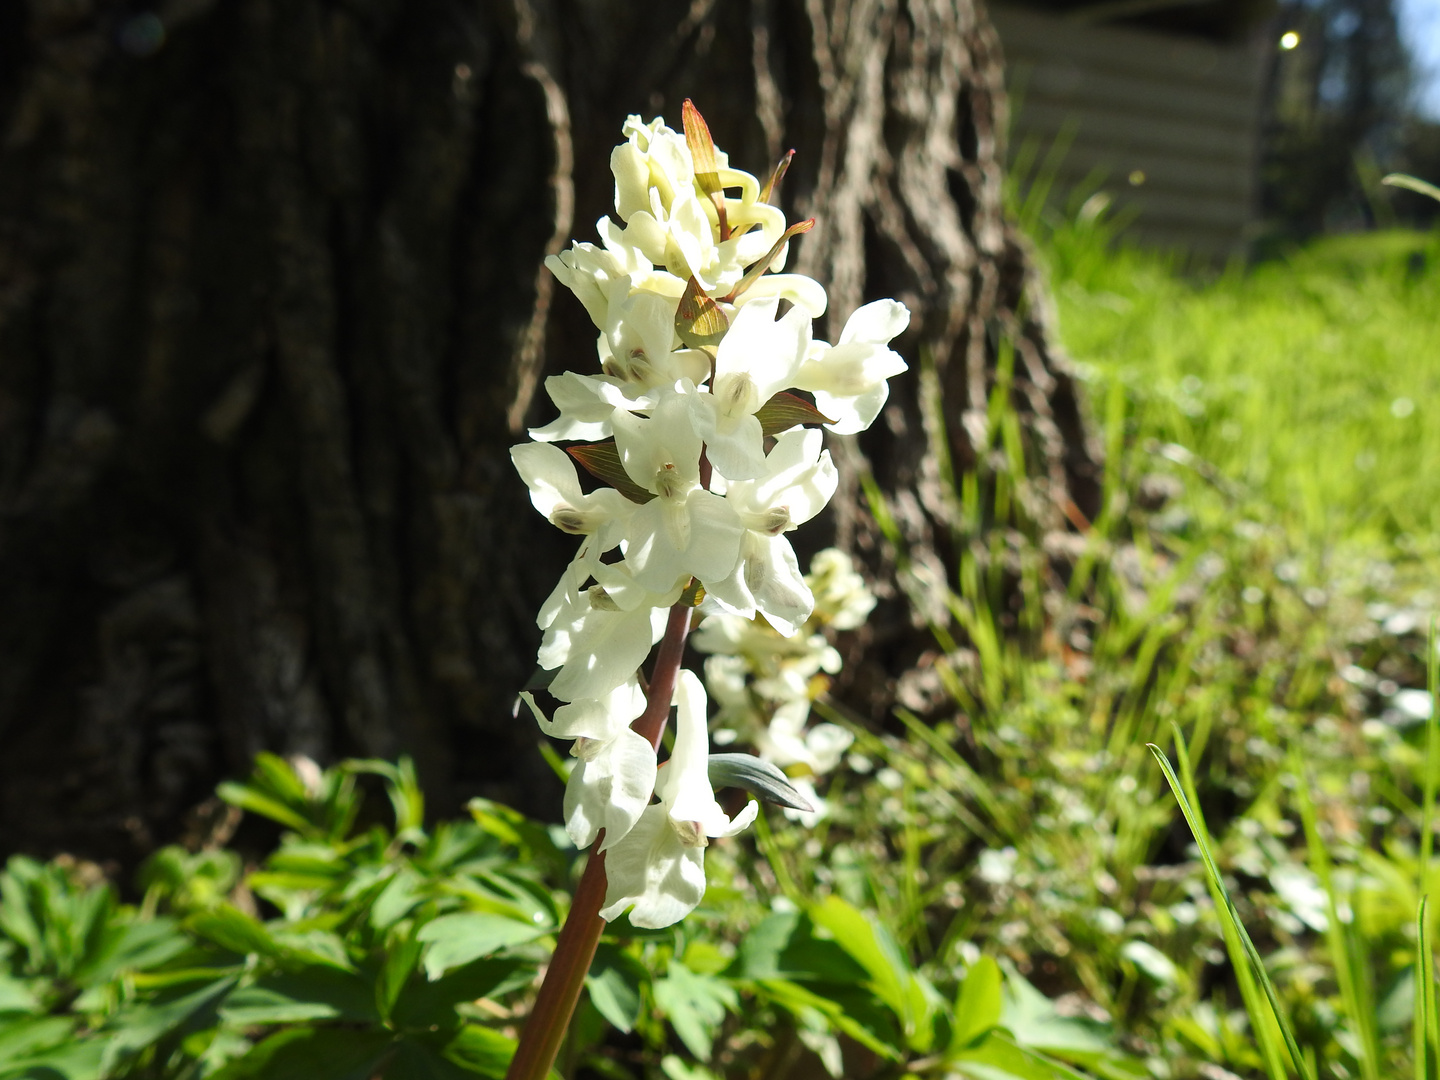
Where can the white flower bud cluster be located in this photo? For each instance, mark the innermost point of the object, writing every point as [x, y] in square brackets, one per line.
[764, 684]
[692, 421]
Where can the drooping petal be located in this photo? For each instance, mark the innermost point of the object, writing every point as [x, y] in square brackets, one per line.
[609, 787]
[654, 871]
[597, 719]
[598, 649]
[876, 323]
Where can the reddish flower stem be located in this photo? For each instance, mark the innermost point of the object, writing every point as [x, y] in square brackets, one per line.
[575, 949]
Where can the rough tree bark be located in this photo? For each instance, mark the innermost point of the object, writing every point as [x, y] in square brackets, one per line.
[271, 315]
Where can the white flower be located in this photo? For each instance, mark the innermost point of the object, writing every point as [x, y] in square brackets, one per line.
[849, 380]
[842, 598]
[555, 491]
[685, 530]
[614, 778]
[659, 866]
[800, 479]
[596, 643]
[757, 358]
[637, 345]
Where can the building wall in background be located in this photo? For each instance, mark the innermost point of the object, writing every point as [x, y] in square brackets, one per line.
[1167, 125]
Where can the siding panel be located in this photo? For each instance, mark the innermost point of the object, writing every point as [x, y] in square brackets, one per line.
[1183, 112]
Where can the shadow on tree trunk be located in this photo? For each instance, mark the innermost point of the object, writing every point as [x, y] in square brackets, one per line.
[271, 315]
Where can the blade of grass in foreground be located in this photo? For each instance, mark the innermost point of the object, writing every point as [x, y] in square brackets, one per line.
[1244, 957]
[1346, 946]
[1427, 1018]
[1427, 1012]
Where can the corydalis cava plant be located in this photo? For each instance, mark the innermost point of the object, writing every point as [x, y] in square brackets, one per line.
[707, 457]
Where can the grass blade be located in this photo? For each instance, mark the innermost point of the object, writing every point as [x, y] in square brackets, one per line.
[1427, 1020]
[1243, 954]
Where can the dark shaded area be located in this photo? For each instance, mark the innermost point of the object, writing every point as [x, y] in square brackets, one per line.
[270, 318]
[1338, 117]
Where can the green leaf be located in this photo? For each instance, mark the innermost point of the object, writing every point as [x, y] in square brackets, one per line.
[402, 893]
[19, 995]
[423, 1004]
[695, 1006]
[312, 1054]
[602, 461]
[137, 946]
[21, 1039]
[138, 1027]
[872, 1028]
[1032, 1019]
[872, 947]
[783, 945]
[402, 785]
[785, 411]
[230, 928]
[72, 1060]
[614, 986]
[977, 1008]
[998, 1058]
[402, 954]
[759, 777]
[481, 1050]
[257, 802]
[457, 939]
[318, 992]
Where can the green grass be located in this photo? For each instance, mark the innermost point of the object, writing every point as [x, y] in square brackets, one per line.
[1312, 383]
[1272, 613]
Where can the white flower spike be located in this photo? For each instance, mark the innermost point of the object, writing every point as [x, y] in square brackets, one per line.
[696, 497]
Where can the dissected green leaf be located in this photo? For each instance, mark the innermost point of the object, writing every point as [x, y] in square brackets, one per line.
[614, 986]
[602, 461]
[23, 1038]
[140, 1026]
[785, 411]
[427, 1003]
[977, 1008]
[783, 945]
[232, 929]
[457, 939]
[307, 1053]
[872, 1028]
[872, 947]
[481, 1050]
[317, 992]
[695, 1006]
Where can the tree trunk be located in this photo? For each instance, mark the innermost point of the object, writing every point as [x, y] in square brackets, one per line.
[271, 315]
